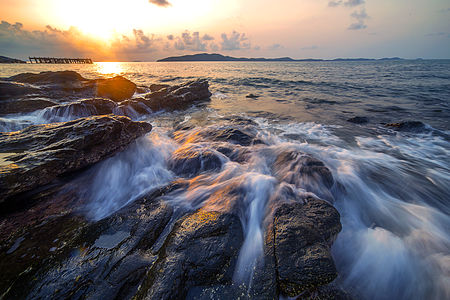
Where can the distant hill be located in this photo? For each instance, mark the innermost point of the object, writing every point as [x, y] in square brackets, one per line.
[220, 57]
[8, 60]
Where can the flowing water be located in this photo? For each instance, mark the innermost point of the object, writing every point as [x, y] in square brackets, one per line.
[392, 188]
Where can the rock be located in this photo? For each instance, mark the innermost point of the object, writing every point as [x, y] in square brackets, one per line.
[413, 126]
[180, 96]
[63, 78]
[230, 134]
[117, 88]
[252, 96]
[304, 171]
[156, 87]
[78, 256]
[79, 109]
[10, 90]
[200, 250]
[38, 154]
[327, 292]
[23, 105]
[9, 60]
[134, 106]
[358, 120]
[71, 84]
[190, 160]
[303, 234]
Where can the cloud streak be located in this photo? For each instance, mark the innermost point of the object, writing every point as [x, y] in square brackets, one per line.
[162, 3]
[360, 18]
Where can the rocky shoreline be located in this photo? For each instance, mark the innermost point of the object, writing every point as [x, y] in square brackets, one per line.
[151, 248]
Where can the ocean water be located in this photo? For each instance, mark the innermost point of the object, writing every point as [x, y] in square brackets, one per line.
[392, 188]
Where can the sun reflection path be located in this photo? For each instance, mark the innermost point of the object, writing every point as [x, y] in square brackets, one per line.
[110, 68]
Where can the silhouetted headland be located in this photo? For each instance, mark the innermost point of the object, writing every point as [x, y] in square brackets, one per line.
[220, 57]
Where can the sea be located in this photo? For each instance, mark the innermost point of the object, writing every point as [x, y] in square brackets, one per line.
[392, 184]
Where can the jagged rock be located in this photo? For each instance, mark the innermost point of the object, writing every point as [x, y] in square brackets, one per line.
[327, 292]
[179, 96]
[78, 109]
[190, 160]
[304, 171]
[156, 87]
[116, 88]
[137, 105]
[38, 154]
[252, 96]
[63, 78]
[358, 120]
[201, 250]
[303, 234]
[72, 256]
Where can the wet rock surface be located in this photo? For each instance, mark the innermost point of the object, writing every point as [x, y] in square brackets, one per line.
[412, 126]
[303, 234]
[179, 96]
[201, 249]
[358, 120]
[38, 154]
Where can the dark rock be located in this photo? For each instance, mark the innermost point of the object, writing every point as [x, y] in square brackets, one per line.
[232, 135]
[136, 105]
[10, 90]
[70, 83]
[156, 87]
[358, 120]
[252, 96]
[63, 78]
[201, 250]
[179, 97]
[303, 234]
[23, 105]
[9, 60]
[413, 126]
[78, 109]
[304, 171]
[97, 259]
[191, 160]
[327, 292]
[38, 154]
[117, 88]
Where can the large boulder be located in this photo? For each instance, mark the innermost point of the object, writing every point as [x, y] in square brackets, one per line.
[38, 154]
[10, 90]
[200, 250]
[179, 96]
[117, 88]
[71, 84]
[303, 234]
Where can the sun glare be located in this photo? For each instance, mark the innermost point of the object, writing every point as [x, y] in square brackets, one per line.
[109, 68]
[105, 19]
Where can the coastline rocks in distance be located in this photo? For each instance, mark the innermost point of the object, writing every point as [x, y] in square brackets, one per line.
[179, 96]
[201, 250]
[303, 234]
[38, 154]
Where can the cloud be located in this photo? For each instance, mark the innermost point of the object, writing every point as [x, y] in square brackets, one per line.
[313, 47]
[234, 41]
[348, 3]
[207, 37]
[162, 3]
[360, 17]
[188, 41]
[275, 47]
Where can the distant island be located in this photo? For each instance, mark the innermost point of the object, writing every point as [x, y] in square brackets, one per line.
[9, 60]
[220, 57]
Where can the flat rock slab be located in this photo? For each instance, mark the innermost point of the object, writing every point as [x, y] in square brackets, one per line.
[40, 153]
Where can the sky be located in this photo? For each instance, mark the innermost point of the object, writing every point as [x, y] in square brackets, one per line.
[146, 30]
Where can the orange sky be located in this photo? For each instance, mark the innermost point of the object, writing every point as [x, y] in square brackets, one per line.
[140, 30]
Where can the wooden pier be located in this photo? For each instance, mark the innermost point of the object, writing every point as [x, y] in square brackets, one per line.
[54, 60]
